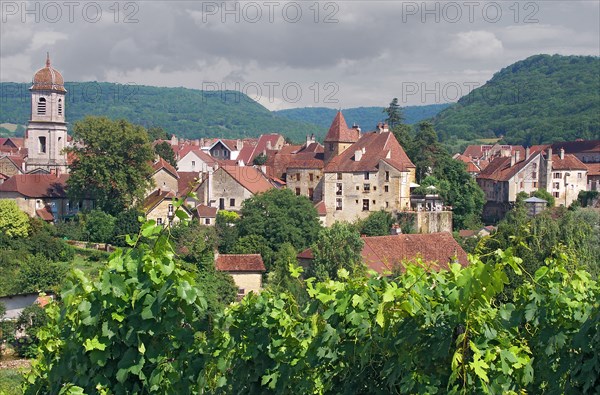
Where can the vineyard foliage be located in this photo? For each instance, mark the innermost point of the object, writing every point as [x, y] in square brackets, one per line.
[142, 328]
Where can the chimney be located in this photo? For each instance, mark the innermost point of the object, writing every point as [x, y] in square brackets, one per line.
[197, 142]
[517, 156]
[395, 229]
[527, 153]
[562, 154]
[513, 159]
[358, 155]
[269, 147]
[379, 127]
[386, 127]
[174, 140]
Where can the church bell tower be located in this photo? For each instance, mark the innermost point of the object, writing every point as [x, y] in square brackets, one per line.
[46, 135]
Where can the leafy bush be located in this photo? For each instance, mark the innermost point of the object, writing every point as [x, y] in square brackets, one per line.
[100, 226]
[31, 319]
[134, 330]
[38, 274]
[140, 328]
[13, 221]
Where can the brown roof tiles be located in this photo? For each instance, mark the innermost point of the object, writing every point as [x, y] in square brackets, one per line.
[376, 146]
[240, 263]
[249, 177]
[37, 185]
[340, 132]
[383, 253]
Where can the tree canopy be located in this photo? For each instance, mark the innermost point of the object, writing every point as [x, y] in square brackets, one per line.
[142, 327]
[337, 247]
[13, 221]
[111, 163]
[279, 216]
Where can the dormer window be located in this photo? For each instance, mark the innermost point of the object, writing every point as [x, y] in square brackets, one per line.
[60, 107]
[41, 106]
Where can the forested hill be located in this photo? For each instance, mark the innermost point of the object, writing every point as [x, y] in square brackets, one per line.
[185, 112]
[537, 100]
[366, 117]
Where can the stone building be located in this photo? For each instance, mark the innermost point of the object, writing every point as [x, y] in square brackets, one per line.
[43, 196]
[160, 206]
[304, 171]
[364, 173]
[563, 175]
[228, 186]
[46, 134]
[246, 269]
[165, 176]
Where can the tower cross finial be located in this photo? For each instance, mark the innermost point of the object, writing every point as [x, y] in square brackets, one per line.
[47, 59]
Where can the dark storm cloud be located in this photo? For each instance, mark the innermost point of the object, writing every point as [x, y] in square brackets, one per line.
[368, 48]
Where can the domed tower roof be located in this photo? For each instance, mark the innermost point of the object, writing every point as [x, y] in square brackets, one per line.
[48, 78]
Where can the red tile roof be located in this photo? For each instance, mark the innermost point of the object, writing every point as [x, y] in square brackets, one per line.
[569, 162]
[593, 169]
[578, 146]
[382, 253]
[45, 214]
[340, 132]
[321, 209]
[251, 151]
[187, 180]
[377, 146]
[240, 263]
[205, 211]
[499, 169]
[206, 158]
[163, 164]
[249, 177]
[37, 185]
[155, 198]
[476, 151]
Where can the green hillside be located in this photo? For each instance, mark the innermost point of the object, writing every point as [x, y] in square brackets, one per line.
[537, 100]
[366, 117]
[185, 112]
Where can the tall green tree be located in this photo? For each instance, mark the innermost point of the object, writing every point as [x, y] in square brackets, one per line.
[111, 163]
[280, 216]
[164, 150]
[394, 113]
[337, 247]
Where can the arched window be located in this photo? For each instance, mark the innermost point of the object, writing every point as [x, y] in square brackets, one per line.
[60, 107]
[41, 106]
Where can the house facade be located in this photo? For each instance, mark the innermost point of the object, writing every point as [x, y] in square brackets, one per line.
[364, 173]
[160, 207]
[228, 186]
[246, 269]
[563, 175]
[43, 196]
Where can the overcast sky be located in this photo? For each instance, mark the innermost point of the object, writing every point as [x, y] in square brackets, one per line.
[294, 54]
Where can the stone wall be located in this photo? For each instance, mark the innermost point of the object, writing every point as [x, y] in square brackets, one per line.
[248, 281]
[433, 221]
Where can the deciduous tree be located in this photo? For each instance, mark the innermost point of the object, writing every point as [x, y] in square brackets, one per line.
[111, 163]
[337, 247]
[13, 221]
[280, 216]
